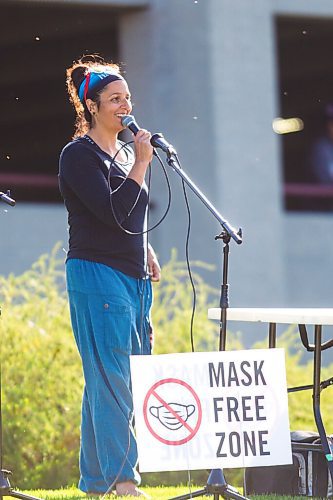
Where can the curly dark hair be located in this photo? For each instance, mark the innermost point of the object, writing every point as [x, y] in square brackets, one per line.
[75, 76]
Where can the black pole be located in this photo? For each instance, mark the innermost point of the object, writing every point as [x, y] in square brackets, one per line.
[216, 483]
[5, 487]
[328, 451]
[224, 298]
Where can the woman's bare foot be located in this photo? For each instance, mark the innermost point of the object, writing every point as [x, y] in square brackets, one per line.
[128, 488]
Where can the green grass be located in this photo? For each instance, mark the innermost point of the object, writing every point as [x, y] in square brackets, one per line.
[156, 493]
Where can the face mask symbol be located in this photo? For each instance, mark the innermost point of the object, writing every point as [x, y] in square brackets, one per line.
[169, 419]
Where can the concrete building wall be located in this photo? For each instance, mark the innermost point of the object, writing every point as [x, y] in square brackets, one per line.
[204, 73]
[170, 76]
[220, 118]
[248, 170]
[307, 238]
[28, 231]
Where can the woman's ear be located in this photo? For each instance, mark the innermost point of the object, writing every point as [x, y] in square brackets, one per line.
[91, 105]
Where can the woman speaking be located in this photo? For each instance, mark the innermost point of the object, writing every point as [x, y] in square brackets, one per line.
[109, 269]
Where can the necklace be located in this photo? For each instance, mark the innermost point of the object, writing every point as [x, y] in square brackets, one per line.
[91, 141]
[114, 157]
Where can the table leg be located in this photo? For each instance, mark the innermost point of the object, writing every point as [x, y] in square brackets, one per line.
[316, 399]
[272, 335]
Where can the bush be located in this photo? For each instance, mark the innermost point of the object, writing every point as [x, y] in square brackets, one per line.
[300, 373]
[42, 378]
[172, 311]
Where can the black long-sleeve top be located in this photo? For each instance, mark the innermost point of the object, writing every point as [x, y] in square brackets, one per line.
[94, 234]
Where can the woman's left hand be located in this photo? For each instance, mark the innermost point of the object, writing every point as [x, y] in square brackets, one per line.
[154, 268]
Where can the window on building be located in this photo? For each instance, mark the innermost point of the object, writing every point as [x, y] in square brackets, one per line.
[306, 97]
[38, 41]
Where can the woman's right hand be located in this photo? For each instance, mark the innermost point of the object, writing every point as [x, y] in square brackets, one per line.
[143, 148]
[143, 156]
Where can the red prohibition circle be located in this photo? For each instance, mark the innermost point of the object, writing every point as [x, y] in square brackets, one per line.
[145, 405]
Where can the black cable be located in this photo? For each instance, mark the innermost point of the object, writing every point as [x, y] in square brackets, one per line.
[189, 266]
[142, 311]
[191, 280]
[148, 213]
[112, 192]
[111, 390]
[188, 259]
[114, 482]
[145, 232]
[142, 304]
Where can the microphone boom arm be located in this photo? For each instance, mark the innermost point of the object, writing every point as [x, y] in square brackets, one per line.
[231, 231]
[158, 141]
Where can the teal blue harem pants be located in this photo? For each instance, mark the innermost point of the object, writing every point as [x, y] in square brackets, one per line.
[110, 315]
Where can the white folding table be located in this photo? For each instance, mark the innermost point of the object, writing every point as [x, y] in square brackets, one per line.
[302, 317]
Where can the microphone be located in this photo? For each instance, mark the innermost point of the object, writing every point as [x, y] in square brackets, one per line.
[129, 122]
[5, 197]
[156, 140]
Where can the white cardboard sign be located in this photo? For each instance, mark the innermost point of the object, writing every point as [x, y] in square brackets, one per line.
[211, 410]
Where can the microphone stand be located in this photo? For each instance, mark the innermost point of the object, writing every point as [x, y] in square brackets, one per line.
[5, 487]
[216, 483]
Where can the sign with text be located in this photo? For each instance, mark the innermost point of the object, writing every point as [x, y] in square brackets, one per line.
[211, 410]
